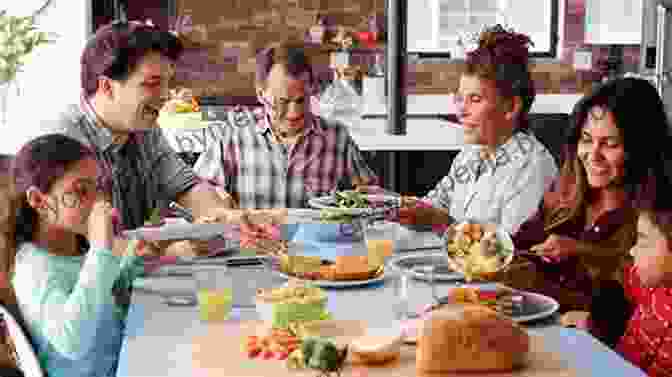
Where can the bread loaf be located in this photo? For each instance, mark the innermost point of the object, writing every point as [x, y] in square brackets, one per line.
[470, 338]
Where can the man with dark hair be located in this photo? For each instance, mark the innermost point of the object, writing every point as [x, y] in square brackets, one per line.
[126, 68]
[292, 153]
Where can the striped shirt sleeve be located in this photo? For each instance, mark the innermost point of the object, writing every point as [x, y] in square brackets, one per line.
[174, 175]
[210, 165]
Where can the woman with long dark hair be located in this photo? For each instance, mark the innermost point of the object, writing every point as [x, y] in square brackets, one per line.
[587, 222]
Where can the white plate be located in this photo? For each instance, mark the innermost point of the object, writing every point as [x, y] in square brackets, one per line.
[178, 231]
[328, 202]
[541, 306]
[333, 284]
[538, 307]
[416, 263]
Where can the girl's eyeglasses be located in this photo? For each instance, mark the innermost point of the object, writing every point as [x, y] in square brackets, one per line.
[81, 191]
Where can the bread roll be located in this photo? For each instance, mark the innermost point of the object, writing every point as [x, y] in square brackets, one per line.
[470, 338]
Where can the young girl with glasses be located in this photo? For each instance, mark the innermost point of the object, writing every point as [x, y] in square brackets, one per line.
[71, 276]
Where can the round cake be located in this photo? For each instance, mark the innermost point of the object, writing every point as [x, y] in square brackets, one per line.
[470, 338]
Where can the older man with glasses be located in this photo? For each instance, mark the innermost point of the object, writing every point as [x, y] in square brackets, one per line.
[291, 154]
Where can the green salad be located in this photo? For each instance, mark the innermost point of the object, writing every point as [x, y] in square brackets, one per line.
[351, 199]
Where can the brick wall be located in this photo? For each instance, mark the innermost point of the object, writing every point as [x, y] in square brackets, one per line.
[239, 28]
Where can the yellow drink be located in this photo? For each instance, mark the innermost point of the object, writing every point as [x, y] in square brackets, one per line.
[215, 305]
[378, 251]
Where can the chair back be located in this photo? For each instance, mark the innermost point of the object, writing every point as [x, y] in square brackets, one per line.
[551, 131]
[26, 357]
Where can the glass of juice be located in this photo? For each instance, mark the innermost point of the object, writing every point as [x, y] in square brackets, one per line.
[381, 239]
[214, 292]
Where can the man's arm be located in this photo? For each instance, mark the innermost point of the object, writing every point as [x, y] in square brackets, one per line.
[180, 182]
[359, 171]
[204, 200]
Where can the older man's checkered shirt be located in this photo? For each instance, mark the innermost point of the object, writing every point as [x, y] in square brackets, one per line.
[248, 162]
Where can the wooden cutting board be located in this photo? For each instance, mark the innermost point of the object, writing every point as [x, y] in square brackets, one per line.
[220, 353]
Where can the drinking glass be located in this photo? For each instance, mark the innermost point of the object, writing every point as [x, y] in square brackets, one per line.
[402, 285]
[381, 238]
[214, 292]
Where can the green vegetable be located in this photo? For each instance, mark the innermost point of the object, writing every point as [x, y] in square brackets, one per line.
[322, 354]
[307, 347]
[351, 199]
[335, 216]
[155, 217]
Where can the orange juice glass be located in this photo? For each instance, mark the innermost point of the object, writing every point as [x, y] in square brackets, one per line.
[214, 291]
[381, 239]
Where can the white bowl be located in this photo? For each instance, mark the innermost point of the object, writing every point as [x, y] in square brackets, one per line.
[378, 345]
[501, 235]
[265, 309]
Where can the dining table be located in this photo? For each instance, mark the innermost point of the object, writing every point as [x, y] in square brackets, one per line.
[160, 339]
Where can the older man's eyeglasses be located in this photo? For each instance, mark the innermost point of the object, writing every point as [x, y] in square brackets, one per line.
[281, 105]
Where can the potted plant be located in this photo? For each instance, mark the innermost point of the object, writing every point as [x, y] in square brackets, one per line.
[19, 36]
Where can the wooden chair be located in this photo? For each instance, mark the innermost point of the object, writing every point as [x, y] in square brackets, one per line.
[27, 362]
[9, 358]
[551, 130]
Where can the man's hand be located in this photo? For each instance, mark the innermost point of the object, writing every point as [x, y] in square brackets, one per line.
[187, 248]
[414, 211]
[142, 249]
[253, 223]
[370, 189]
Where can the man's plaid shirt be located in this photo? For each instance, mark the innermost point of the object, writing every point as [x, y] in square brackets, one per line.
[146, 173]
[263, 173]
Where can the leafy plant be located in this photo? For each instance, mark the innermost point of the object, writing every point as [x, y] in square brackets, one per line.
[19, 36]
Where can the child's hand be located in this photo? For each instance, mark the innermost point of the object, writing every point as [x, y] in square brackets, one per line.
[101, 224]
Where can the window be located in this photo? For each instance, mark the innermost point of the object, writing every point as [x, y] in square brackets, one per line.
[434, 26]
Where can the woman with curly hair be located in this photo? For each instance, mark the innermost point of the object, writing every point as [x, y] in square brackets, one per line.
[503, 171]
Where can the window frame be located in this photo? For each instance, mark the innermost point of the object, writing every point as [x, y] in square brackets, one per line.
[551, 53]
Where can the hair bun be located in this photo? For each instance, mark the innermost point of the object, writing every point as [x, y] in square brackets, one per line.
[505, 46]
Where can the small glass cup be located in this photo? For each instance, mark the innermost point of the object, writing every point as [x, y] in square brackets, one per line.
[402, 286]
[214, 292]
[381, 238]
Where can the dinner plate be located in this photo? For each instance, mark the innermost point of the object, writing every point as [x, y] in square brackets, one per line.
[329, 202]
[334, 283]
[416, 265]
[536, 307]
[178, 231]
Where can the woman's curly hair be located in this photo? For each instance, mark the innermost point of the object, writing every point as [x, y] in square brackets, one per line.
[502, 56]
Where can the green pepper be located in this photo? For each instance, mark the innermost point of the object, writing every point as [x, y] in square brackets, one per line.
[307, 347]
[155, 217]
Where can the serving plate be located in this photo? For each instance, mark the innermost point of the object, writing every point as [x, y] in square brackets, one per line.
[417, 265]
[179, 231]
[536, 307]
[330, 283]
[329, 202]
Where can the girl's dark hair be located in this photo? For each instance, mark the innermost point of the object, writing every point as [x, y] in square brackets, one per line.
[640, 116]
[502, 56]
[39, 163]
[653, 198]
